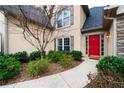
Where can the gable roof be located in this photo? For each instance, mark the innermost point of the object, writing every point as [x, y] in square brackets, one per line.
[86, 9]
[33, 13]
[95, 19]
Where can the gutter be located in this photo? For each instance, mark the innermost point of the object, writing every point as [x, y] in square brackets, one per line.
[92, 29]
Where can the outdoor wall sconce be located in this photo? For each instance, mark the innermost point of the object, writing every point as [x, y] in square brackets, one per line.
[108, 36]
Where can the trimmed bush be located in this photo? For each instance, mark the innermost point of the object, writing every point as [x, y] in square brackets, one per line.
[66, 62]
[51, 51]
[37, 67]
[35, 55]
[77, 55]
[22, 56]
[67, 52]
[9, 67]
[113, 63]
[1, 54]
[9, 55]
[55, 56]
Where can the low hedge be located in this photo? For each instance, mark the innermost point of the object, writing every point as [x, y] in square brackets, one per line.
[77, 55]
[9, 67]
[113, 63]
[35, 55]
[37, 67]
[58, 55]
[55, 56]
[21, 56]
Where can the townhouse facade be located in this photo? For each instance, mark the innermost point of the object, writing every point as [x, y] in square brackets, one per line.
[96, 32]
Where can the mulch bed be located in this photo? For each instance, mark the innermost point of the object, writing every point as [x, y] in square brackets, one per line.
[23, 75]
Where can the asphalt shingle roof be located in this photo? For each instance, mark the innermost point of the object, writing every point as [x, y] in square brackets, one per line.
[32, 12]
[95, 19]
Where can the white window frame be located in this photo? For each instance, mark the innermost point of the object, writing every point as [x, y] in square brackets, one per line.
[63, 43]
[62, 13]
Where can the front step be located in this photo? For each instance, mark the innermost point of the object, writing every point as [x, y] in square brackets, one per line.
[94, 57]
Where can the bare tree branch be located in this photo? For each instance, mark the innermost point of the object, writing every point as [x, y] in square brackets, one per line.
[38, 35]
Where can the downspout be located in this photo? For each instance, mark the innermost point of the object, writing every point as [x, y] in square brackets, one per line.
[114, 43]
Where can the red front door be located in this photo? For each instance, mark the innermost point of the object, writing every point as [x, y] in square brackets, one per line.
[94, 45]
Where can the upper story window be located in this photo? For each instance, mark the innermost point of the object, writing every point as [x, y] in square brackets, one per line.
[63, 18]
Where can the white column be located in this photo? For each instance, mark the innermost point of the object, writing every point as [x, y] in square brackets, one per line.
[3, 31]
[114, 41]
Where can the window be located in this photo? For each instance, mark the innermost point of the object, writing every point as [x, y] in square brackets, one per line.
[63, 18]
[102, 44]
[63, 44]
[86, 44]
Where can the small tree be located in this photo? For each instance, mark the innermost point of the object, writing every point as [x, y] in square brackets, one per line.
[38, 33]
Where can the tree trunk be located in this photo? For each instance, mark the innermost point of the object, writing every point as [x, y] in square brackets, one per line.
[43, 54]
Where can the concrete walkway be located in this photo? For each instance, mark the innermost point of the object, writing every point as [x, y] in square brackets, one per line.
[73, 78]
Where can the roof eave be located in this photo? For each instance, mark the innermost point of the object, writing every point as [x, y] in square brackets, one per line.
[110, 11]
[86, 9]
[92, 29]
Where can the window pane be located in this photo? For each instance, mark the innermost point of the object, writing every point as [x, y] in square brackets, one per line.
[59, 16]
[59, 21]
[59, 42]
[66, 21]
[66, 48]
[66, 41]
[66, 18]
[66, 44]
[59, 48]
[66, 13]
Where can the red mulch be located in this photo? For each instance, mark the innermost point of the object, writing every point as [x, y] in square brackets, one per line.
[23, 75]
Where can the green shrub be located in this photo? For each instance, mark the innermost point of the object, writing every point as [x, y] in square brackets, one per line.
[22, 56]
[55, 56]
[113, 63]
[35, 55]
[66, 62]
[67, 52]
[1, 54]
[9, 55]
[77, 55]
[37, 67]
[51, 51]
[9, 67]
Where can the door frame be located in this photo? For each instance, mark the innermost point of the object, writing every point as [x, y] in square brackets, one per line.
[102, 32]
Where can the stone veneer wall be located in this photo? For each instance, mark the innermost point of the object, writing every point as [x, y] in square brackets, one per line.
[120, 35]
